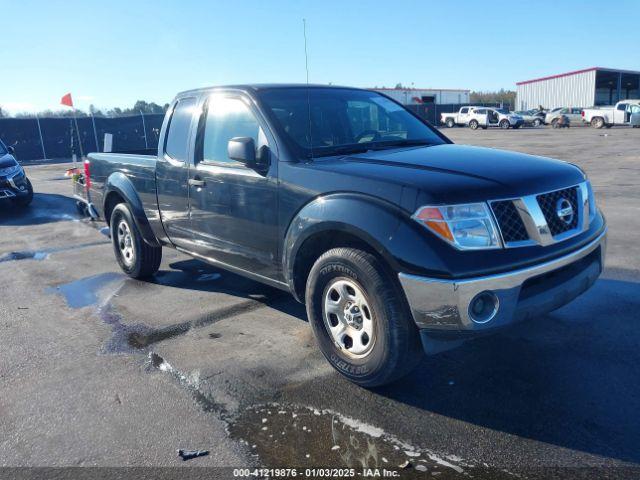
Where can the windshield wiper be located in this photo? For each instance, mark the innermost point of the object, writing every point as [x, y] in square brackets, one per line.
[343, 149]
[368, 146]
[399, 143]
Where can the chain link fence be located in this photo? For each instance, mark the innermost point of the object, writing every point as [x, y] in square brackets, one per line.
[36, 139]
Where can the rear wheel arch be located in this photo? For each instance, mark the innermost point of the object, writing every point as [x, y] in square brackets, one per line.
[112, 199]
[119, 189]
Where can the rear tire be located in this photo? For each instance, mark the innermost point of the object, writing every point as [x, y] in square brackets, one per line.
[597, 122]
[136, 258]
[450, 123]
[473, 124]
[341, 280]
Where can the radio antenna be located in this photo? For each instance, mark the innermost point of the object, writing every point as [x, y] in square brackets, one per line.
[306, 66]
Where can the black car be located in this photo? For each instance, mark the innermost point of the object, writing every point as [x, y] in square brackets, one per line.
[14, 184]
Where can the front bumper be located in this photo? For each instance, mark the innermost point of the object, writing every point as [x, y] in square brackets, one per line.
[443, 306]
[13, 187]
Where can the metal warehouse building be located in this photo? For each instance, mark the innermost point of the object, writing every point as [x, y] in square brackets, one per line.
[419, 96]
[582, 88]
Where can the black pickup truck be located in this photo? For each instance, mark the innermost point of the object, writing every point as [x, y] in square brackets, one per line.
[397, 240]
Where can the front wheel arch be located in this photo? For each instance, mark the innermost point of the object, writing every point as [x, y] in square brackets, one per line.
[320, 242]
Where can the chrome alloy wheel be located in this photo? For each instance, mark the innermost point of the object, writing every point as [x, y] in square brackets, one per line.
[348, 318]
[125, 243]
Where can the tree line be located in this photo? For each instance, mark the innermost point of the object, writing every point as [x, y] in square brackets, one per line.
[501, 96]
[139, 106]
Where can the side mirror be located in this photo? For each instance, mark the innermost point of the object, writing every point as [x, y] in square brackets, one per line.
[243, 150]
[11, 150]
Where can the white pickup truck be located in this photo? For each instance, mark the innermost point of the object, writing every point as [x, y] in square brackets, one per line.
[460, 118]
[620, 114]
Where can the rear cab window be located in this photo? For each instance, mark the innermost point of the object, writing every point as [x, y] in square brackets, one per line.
[176, 144]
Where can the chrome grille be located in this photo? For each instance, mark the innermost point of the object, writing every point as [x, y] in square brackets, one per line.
[536, 219]
[509, 221]
[549, 205]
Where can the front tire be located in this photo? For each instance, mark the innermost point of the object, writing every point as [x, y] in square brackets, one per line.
[473, 124]
[360, 318]
[504, 124]
[537, 122]
[136, 258]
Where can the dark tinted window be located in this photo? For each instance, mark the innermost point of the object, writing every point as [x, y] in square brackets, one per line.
[622, 106]
[228, 118]
[334, 120]
[464, 110]
[177, 143]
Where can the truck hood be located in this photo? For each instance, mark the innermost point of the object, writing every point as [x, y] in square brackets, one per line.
[458, 173]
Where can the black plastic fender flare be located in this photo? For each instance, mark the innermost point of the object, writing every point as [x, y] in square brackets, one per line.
[383, 226]
[120, 184]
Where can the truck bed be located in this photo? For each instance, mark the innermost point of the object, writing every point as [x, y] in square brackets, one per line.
[138, 168]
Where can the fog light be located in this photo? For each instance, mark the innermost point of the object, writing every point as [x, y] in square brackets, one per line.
[483, 307]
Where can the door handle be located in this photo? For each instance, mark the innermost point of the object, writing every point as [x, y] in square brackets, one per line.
[195, 182]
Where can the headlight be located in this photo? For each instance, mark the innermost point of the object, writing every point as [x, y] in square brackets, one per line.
[466, 227]
[7, 171]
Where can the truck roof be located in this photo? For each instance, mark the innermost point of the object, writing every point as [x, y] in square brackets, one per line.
[254, 87]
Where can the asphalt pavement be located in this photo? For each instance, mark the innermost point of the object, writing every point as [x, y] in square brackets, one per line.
[97, 369]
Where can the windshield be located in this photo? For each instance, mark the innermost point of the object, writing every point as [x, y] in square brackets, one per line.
[3, 149]
[341, 121]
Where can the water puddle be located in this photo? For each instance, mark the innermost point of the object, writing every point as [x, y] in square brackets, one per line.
[44, 254]
[123, 336]
[284, 435]
[28, 255]
[86, 291]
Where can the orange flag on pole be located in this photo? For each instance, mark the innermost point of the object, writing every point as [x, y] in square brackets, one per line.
[67, 100]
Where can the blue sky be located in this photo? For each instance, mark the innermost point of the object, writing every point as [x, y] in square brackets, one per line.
[111, 53]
